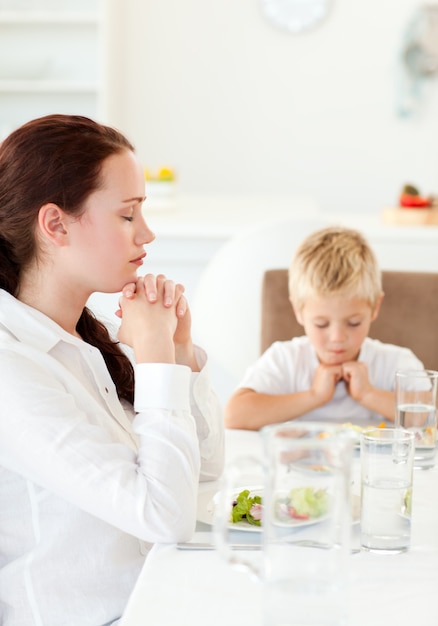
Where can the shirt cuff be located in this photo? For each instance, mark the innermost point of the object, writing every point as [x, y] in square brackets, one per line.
[162, 386]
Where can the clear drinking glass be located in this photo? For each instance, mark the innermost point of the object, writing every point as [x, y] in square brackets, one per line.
[305, 493]
[387, 456]
[416, 397]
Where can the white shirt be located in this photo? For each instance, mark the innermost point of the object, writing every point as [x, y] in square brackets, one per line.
[86, 483]
[289, 366]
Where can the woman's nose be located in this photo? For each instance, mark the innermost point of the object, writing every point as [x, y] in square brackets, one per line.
[144, 234]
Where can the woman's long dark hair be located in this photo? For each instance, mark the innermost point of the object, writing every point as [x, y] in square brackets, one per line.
[57, 158]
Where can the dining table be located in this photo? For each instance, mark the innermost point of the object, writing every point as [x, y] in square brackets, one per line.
[190, 586]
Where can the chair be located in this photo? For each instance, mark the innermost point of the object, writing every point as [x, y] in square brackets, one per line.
[407, 315]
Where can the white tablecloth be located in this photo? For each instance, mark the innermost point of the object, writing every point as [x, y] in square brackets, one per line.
[194, 588]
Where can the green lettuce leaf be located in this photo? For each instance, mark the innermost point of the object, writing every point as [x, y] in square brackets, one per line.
[308, 502]
[242, 508]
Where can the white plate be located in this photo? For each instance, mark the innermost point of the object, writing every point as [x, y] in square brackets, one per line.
[206, 514]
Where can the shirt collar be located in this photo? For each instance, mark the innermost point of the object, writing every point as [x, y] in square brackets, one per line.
[30, 326]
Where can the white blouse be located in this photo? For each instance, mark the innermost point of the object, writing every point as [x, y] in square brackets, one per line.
[86, 483]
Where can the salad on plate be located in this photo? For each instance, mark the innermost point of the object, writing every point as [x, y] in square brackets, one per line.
[299, 505]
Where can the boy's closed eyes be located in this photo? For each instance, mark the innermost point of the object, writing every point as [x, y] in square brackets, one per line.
[326, 324]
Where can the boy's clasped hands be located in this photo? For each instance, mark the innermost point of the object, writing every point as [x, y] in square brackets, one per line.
[353, 373]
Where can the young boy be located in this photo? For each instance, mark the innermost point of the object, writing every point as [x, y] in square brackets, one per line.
[334, 372]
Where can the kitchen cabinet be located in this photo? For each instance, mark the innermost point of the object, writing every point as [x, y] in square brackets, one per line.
[51, 59]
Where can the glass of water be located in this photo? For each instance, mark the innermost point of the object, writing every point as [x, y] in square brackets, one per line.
[416, 397]
[386, 489]
[304, 499]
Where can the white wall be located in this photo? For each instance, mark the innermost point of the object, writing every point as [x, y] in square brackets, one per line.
[239, 107]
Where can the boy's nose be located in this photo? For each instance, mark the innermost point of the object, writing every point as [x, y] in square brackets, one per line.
[337, 333]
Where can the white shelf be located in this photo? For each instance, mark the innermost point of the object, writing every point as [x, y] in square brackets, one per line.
[46, 86]
[51, 53]
[47, 17]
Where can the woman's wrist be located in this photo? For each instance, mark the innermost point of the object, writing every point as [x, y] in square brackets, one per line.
[155, 350]
[185, 355]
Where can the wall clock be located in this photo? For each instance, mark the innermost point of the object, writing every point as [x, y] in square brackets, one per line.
[295, 16]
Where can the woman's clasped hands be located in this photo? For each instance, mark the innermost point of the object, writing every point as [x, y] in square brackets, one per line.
[156, 321]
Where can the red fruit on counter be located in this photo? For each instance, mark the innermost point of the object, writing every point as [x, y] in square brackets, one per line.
[414, 201]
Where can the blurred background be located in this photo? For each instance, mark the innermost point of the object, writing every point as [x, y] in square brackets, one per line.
[238, 105]
[229, 100]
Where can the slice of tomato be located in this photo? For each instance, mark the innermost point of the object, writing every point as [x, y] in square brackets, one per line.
[295, 515]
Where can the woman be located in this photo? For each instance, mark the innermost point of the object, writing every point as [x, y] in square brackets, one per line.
[99, 456]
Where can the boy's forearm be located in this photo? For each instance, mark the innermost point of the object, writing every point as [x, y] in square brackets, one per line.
[247, 409]
[380, 401]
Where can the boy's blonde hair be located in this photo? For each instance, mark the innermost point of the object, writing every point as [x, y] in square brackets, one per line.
[334, 260]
